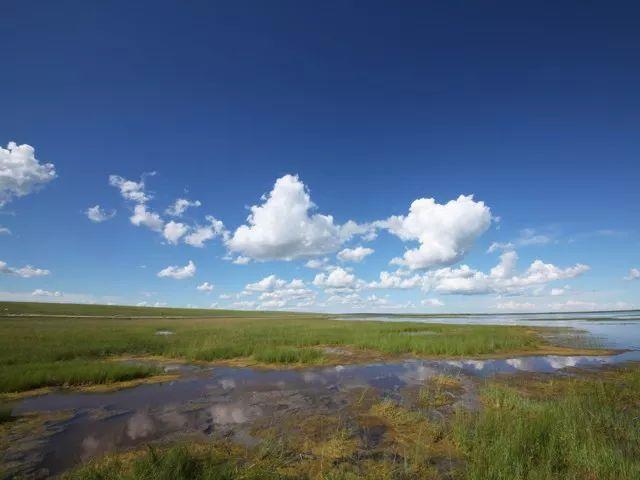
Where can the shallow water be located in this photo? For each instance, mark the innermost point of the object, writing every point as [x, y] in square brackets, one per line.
[618, 330]
[224, 402]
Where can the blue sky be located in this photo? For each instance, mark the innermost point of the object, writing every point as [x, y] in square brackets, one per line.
[338, 122]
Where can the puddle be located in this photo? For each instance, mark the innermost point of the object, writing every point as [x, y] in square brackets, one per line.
[226, 402]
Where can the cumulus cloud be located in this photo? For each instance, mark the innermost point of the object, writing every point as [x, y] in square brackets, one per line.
[178, 273]
[284, 227]
[338, 279]
[173, 231]
[4, 231]
[445, 232]
[130, 190]
[143, 217]
[367, 231]
[282, 294]
[396, 281]
[267, 284]
[317, 263]
[97, 214]
[27, 271]
[205, 287]
[501, 279]
[506, 267]
[38, 292]
[354, 254]
[21, 173]
[180, 206]
[202, 234]
[634, 274]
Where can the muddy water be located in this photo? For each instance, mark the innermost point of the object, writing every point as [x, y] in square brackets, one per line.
[227, 402]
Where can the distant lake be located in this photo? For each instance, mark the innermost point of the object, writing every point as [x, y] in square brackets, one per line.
[619, 329]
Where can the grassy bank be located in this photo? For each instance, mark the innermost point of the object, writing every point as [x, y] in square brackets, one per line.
[52, 351]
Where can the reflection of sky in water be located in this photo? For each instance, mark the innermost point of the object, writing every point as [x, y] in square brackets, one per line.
[610, 329]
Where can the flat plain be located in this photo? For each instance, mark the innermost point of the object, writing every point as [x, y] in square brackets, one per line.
[444, 425]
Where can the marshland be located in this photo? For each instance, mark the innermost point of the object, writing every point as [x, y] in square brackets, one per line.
[105, 392]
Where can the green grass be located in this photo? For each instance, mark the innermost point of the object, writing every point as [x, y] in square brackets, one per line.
[78, 309]
[180, 462]
[68, 373]
[50, 351]
[569, 430]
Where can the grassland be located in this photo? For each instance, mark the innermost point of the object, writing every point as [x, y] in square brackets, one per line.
[40, 351]
[125, 311]
[528, 427]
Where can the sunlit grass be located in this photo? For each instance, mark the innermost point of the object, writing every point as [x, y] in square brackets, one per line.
[15, 378]
[51, 351]
[569, 429]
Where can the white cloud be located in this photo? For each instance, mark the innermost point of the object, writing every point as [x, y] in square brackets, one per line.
[433, 302]
[173, 231]
[244, 305]
[284, 228]
[556, 292]
[97, 214]
[354, 254]
[634, 274]
[496, 246]
[281, 294]
[506, 267]
[396, 281]
[513, 306]
[267, 284]
[240, 260]
[180, 206]
[201, 234]
[501, 279]
[143, 217]
[205, 287]
[25, 272]
[178, 273]
[528, 236]
[5, 231]
[367, 231]
[445, 232]
[574, 305]
[317, 263]
[38, 292]
[129, 189]
[21, 173]
[338, 278]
